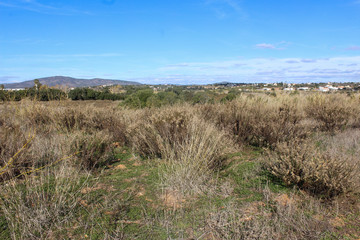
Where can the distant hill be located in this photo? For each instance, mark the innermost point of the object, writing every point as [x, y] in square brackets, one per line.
[70, 82]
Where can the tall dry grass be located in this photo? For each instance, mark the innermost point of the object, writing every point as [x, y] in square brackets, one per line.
[38, 207]
[191, 163]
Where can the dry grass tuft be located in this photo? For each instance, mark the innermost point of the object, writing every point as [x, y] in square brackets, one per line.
[191, 162]
[39, 206]
[152, 130]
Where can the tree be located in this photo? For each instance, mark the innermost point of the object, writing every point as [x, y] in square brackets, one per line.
[37, 84]
[2, 87]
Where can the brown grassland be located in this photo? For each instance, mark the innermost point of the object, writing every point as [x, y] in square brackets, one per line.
[258, 167]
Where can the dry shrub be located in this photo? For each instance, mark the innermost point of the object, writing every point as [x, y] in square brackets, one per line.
[59, 130]
[22, 152]
[93, 150]
[259, 120]
[111, 121]
[36, 114]
[190, 146]
[39, 206]
[152, 131]
[69, 119]
[191, 162]
[333, 112]
[318, 171]
[10, 145]
[86, 118]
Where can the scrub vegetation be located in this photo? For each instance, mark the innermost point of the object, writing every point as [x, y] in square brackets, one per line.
[246, 166]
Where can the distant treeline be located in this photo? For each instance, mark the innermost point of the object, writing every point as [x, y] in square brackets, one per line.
[144, 96]
[132, 96]
[91, 94]
[47, 94]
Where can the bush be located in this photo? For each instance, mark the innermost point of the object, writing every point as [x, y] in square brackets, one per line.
[333, 112]
[190, 146]
[317, 171]
[93, 151]
[259, 121]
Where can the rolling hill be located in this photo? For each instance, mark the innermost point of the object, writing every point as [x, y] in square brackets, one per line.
[70, 82]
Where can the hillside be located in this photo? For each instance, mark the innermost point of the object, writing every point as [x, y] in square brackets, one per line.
[70, 82]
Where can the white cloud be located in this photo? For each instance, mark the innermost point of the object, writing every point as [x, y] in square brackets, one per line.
[265, 46]
[277, 46]
[268, 70]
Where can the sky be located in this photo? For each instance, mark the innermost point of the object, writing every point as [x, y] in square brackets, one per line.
[181, 41]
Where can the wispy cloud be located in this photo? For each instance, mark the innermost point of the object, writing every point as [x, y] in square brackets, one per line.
[35, 6]
[49, 57]
[224, 8]
[353, 48]
[234, 5]
[87, 55]
[265, 46]
[277, 46]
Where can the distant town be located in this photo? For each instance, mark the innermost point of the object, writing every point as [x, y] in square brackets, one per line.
[246, 87]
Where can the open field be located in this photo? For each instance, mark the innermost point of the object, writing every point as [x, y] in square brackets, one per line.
[256, 167]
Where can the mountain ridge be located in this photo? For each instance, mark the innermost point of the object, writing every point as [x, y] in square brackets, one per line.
[70, 82]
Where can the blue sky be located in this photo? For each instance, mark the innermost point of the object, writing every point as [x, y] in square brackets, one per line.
[181, 41]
